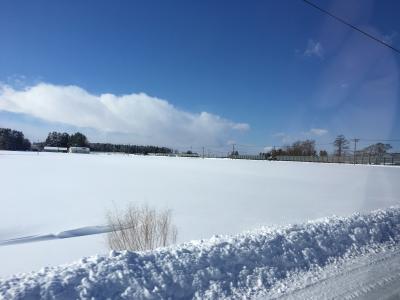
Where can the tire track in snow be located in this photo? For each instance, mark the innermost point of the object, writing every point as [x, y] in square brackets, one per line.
[373, 276]
[77, 232]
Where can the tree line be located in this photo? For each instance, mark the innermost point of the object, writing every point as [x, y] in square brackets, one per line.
[131, 149]
[15, 140]
[341, 147]
[63, 139]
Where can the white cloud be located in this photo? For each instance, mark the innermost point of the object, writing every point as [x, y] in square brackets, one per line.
[241, 126]
[314, 48]
[318, 131]
[147, 119]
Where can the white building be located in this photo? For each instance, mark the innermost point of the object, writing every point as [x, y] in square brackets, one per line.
[79, 150]
[55, 149]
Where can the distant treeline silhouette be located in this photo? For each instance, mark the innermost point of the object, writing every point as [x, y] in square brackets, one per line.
[341, 147]
[133, 149]
[15, 140]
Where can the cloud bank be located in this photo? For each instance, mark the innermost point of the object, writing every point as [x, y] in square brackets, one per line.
[145, 119]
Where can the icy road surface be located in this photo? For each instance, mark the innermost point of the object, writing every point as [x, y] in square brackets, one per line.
[368, 277]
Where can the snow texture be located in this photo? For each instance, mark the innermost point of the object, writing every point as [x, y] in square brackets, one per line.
[242, 266]
[47, 193]
[373, 273]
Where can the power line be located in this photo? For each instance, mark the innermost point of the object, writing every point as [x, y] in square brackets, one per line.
[381, 140]
[352, 26]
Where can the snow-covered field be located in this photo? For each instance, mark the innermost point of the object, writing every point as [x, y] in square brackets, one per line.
[49, 193]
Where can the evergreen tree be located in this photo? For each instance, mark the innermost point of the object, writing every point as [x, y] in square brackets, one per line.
[57, 139]
[78, 140]
[133, 149]
[13, 140]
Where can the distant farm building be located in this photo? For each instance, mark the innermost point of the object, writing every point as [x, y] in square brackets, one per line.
[188, 155]
[55, 149]
[36, 147]
[79, 150]
[162, 154]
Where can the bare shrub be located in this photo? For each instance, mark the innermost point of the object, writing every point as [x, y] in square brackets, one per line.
[140, 228]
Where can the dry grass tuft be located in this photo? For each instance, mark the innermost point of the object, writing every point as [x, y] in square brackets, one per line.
[140, 228]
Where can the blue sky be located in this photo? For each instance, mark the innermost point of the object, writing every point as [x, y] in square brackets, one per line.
[259, 73]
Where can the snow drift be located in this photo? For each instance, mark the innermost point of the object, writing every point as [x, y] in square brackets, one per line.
[245, 265]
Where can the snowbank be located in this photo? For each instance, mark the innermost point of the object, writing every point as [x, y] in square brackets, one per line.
[239, 266]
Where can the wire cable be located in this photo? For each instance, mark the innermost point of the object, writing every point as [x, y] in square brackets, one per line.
[351, 26]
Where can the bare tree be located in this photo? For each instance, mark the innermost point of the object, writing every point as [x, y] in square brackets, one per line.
[301, 148]
[341, 145]
[377, 149]
[140, 228]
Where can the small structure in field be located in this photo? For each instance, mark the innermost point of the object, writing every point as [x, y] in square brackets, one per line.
[162, 154]
[37, 147]
[188, 154]
[85, 150]
[55, 149]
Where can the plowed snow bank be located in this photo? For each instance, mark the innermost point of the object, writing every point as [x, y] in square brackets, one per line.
[239, 266]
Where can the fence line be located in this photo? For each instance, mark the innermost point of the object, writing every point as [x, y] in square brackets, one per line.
[369, 159]
[363, 158]
[386, 159]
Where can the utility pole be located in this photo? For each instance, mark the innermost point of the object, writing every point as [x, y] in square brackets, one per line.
[355, 149]
[273, 152]
[203, 152]
[233, 150]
